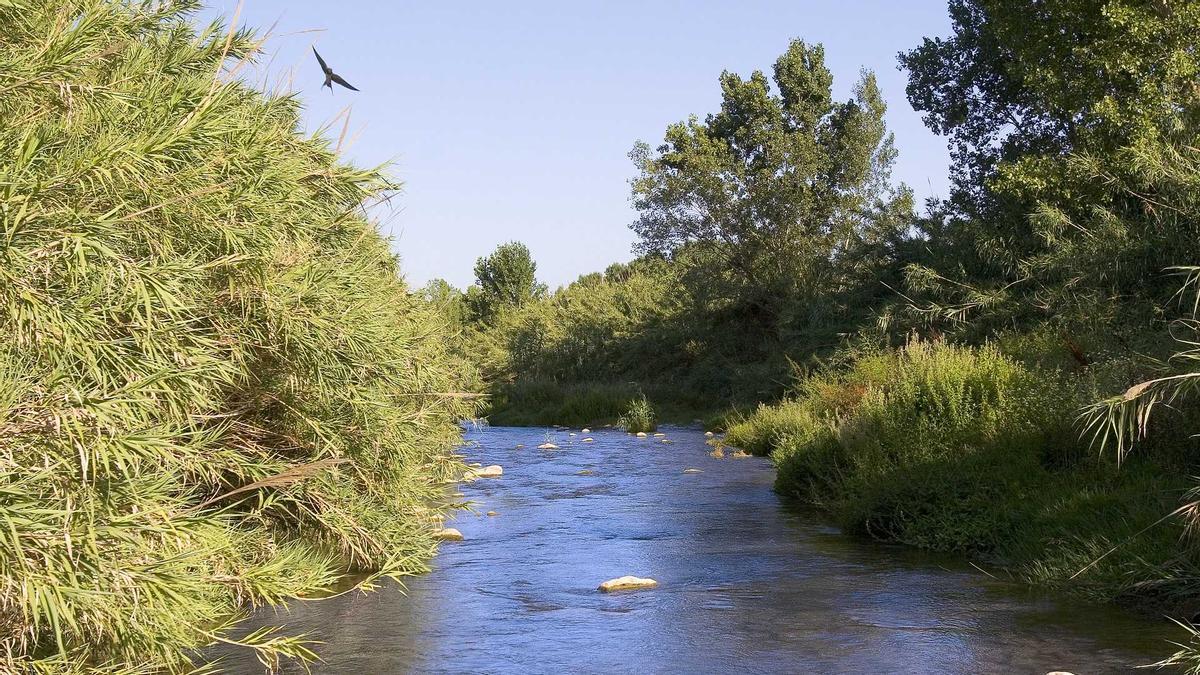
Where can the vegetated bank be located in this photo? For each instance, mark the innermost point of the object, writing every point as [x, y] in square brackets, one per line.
[215, 389]
[971, 378]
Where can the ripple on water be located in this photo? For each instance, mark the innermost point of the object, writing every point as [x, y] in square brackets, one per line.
[744, 583]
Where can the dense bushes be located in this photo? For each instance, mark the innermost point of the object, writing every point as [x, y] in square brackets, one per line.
[967, 450]
[215, 389]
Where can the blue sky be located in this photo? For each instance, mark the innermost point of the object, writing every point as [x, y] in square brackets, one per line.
[513, 121]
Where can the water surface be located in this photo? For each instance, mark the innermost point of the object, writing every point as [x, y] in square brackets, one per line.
[745, 584]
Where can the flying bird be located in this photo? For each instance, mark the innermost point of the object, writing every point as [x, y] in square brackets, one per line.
[331, 76]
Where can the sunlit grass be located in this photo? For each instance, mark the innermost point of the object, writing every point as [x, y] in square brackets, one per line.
[215, 390]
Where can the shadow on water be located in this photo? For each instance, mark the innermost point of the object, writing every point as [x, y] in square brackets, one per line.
[745, 583]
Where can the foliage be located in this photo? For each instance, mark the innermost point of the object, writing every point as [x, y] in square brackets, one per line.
[967, 450]
[788, 194]
[638, 416]
[215, 390]
[505, 279]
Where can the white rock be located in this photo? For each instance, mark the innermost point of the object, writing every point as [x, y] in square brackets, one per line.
[492, 513]
[586, 431]
[589, 439]
[660, 434]
[709, 434]
[448, 534]
[492, 471]
[627, 583]
[547, 446]
[641, 434]
[693, 470]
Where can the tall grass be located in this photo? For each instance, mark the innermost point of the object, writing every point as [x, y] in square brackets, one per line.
[215, 390]
[966, 450]
[638, 416]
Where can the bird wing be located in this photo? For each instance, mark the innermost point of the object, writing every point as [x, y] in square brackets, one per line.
[320, 60]
[338, 78]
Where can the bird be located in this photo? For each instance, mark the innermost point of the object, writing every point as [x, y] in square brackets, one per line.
[331, 76]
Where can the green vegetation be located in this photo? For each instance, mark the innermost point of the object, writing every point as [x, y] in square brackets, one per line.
[215, 389]
[969, 379]
[638, 417]
[967, 450]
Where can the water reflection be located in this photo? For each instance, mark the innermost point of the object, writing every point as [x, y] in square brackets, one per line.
[745, 584]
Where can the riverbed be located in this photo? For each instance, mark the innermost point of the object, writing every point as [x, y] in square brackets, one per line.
[746, 584]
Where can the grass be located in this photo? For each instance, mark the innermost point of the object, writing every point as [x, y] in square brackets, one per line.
[638, 417]
[966, 450]
[215, 389]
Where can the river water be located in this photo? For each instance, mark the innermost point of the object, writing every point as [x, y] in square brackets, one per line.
[745, 584]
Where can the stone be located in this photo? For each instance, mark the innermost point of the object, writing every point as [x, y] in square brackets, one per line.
[659, 435]
[641, 434]
[585, 431]
[718, 453]
[571, 434]
[492, 471]
[492, 513]
[547, 446]
[739, 454]
[693, 470]
[520, 445]
[585, 472]
[626, 583]
[589, 439]
[666, 440]
[448, 534]
[475, 464]
[709, 434]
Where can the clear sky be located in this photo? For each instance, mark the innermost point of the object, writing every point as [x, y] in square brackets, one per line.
[513, 120]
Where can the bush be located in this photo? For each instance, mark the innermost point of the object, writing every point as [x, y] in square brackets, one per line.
[638, 416]
[966, 450]
[215, 390]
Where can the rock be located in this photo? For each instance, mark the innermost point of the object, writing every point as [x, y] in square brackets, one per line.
[520, 445]
[585, 472]
[547, 446]
[626, 583]
[709, 434]
[641, 434]
[585, 431]
[492, 471]
[475, 464]
[571, 434]
[739, 454]
[693, 470]
[589, 439]
[448, 534]
[666, 440]
[718, 453]
[492, 513]
[659, 435]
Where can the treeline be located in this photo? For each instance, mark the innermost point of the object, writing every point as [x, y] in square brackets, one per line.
[1023, 329]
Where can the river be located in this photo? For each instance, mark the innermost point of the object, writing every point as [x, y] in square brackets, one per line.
[745, 583]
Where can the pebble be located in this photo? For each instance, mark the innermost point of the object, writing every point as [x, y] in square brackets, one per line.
[448, 534]
[626, 583]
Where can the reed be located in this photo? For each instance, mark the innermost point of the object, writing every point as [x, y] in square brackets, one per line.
[215, 389]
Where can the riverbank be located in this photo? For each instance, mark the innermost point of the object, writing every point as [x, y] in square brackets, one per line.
[967, 451]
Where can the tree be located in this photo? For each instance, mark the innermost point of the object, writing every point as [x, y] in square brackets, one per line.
[505, 279]
[1054, 109]
[788, 191]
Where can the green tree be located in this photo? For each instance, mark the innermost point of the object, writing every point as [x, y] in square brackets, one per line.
[1065, 119]
[507, 278]
[787, 191]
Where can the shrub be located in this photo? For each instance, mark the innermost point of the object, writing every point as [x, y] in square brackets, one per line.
[215, 390]
[638, 416]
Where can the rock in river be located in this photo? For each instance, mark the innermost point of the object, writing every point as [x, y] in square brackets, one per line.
[708, 434]
[718, 453]
[585, 431]
[547, 446]
[641, 434]
[492, 471]
[589, 439]
[492, 513]
[693, 470]
[626, 583]
[448, 534]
